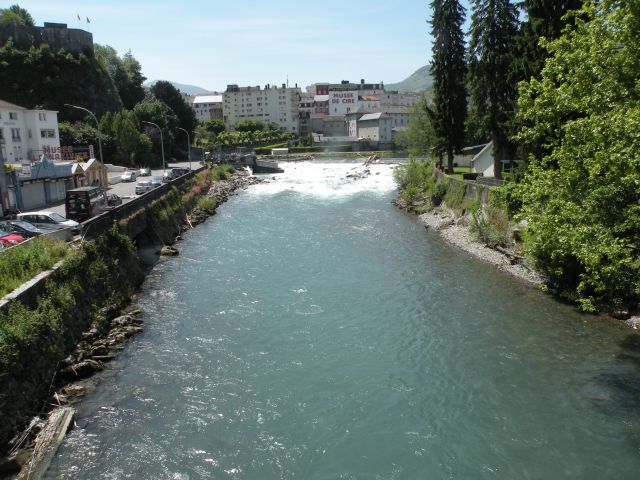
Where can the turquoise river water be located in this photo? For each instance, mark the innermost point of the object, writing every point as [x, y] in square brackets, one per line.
[311, 330]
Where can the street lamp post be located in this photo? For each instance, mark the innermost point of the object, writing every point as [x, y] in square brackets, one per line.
[164, 166]
[97, 126]
[188, 145]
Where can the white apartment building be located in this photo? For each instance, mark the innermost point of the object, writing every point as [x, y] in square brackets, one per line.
[207, 107]
[24, 134]
[271, 104]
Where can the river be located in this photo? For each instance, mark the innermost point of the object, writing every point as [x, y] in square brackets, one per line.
[311, 330]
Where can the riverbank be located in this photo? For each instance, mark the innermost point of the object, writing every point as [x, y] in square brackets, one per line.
[455, 230]
[62, 382]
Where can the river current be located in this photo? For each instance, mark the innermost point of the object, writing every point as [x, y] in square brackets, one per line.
[311, 330]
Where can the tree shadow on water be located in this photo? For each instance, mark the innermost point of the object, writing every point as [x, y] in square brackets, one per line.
[623, 383]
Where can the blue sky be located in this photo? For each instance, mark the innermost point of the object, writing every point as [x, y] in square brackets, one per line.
[249, 42]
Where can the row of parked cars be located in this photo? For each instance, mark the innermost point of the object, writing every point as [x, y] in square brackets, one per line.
[80, 204]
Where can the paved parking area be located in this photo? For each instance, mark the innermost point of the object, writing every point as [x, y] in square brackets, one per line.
[126, 190]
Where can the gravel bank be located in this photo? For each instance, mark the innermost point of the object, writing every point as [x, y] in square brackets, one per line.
[454, 232]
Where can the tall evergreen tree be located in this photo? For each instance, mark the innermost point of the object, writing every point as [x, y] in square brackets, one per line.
[545, 19]
[494, 25]
[448, 69]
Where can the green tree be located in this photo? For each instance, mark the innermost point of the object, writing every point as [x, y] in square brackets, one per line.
[15, 15]
[419, 135]
[82, 134]
[153, 110]
[132, 147]
[494, 25]
[214, 126]
[582, 199]
[125, 73]
[544, 19]
[448, 70]
[250, 126]
[171, 96]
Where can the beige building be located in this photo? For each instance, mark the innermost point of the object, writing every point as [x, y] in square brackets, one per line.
[279, 105]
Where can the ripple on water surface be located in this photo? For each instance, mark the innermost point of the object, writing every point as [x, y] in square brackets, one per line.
[310, 330]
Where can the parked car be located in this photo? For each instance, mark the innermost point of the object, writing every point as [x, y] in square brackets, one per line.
[143, 186]
[24, 229]
[10, 239]
[156, 181]
[49, 220]
[178, 171]
[113, 200]
[172, 173]
[145, 172]
[85, 202]
[129, 176]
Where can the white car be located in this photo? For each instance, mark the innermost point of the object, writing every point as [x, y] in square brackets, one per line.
[143, 186]
[49, 220]
[129, 176]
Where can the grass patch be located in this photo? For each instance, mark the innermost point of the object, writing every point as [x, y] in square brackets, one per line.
[22, 263]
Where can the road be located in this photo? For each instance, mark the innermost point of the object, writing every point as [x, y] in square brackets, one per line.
[126, 190]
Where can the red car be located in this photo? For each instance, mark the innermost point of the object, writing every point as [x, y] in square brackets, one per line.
[10, 239]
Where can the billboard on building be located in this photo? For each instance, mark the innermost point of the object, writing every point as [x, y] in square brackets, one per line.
[342, 102]
[68, 153]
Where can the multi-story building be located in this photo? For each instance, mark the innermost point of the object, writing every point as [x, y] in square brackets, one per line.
[207, 107]
[25, 134]
[378, 127]
[279, 105]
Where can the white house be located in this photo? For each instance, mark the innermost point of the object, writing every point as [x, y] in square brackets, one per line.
[25, 134]
[483, 161]
[207, 107]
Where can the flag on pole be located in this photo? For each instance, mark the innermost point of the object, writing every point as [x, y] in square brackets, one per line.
[88, 20]
[78, 16]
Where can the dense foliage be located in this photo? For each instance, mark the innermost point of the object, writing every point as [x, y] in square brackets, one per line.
[125, 72]
[582, 200]
[419, 136]
[15, 15]
[49, 79]
[171, 96]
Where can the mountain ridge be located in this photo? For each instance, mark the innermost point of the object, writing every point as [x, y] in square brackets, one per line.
[418, 81]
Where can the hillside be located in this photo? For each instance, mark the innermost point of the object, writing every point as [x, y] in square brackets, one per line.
[184, 88]
[418, 81]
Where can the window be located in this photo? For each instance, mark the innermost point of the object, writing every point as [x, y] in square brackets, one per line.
[15, 134]
[13, 115]
[1, 136]
[48, 133]
[42, 116]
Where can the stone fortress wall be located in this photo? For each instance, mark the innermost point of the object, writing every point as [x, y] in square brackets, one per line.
[56, 35]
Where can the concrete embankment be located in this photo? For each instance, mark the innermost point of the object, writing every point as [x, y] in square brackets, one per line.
[77, 322]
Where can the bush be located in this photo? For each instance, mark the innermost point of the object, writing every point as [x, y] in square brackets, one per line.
[470, 176]
[490, 224]
[455, 194]
[207, 204]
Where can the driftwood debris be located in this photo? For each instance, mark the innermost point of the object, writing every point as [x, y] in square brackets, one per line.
[58, 424]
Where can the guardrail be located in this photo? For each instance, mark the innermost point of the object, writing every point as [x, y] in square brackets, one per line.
[95, 226]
